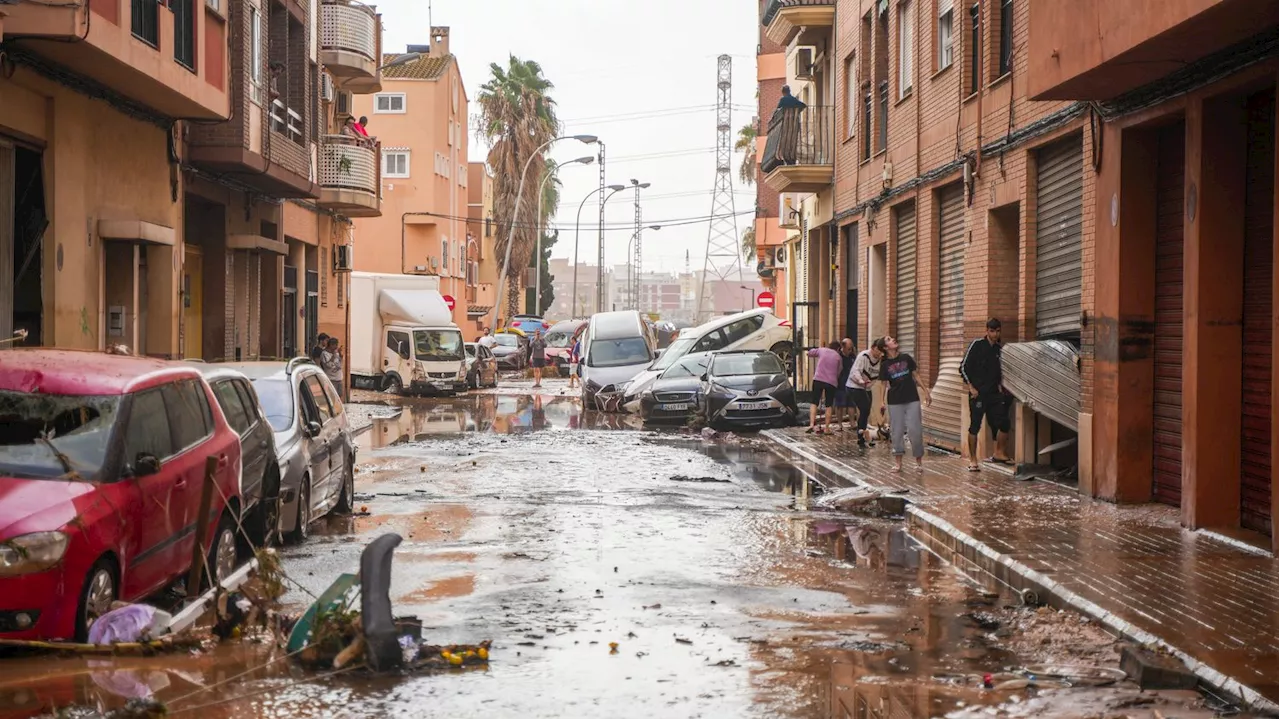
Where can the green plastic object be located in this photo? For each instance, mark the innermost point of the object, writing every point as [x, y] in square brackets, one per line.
[331, 599]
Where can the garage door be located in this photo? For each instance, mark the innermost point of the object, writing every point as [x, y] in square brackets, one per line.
[1058, 222]
[951, 272]
[905, 277]
[1167, 420]
[1255, 421]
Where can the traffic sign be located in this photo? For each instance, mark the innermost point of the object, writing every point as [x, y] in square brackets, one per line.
[448, 300]
[765, 299]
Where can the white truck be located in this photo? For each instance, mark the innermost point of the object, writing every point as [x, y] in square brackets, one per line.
[403, 338]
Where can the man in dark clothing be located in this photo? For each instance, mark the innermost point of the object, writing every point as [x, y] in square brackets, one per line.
[788, 114]
[844, 398]
[318, 348]
[788, 100]
[981, 373]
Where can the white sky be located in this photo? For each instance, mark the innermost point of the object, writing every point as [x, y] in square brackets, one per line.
[619, 68]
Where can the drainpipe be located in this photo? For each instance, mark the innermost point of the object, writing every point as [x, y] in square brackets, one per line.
[977, 168]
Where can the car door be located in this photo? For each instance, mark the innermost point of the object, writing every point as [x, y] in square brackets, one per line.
[317, 447]
[488, 366]
[191, 425]
[326, 442]
[260, 434]
[157, 518]
[253, 454]
[343, 450]
[745, 333]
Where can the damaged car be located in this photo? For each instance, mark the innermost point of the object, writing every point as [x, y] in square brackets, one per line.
[673, 397]
[748, 390]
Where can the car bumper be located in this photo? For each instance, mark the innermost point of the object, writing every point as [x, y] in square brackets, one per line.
[436, 386]
[728, 414]
[49, 596]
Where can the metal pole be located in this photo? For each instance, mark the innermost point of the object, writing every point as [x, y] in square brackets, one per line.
[537, 257]
[634, 282]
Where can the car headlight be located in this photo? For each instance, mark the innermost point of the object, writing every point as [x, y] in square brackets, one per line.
[720, 389]
[593, 386]
[31, 553]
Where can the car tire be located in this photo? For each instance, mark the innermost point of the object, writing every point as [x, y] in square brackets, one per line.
[785, 352]
[223, 555]
[347, 492]
[101, 588]
[264, 523]
[302, 529]
[393, 385]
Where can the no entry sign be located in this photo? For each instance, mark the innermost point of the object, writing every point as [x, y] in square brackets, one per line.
[764, 299]
[448, 300]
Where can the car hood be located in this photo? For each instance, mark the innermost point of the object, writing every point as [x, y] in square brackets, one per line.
[38, 505]
[676, 384]
[757, 382]
[605, 376]
[502, 351]
[644, 380]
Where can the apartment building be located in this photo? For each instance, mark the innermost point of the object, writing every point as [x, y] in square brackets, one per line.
[566, 305]
[91, 210]
[482, 265]
[1183, 317]
[420, 119]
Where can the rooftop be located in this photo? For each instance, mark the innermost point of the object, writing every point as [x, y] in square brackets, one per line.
[430, 67]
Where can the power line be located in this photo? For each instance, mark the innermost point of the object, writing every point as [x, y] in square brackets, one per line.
[587, 118]
[628, 226]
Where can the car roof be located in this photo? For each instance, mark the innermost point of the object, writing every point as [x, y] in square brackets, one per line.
[617, 325]
[266, 369]
[565, 325]
[84, 372]
[216, 371]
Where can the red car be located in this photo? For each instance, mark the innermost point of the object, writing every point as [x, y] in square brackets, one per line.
[102, 461]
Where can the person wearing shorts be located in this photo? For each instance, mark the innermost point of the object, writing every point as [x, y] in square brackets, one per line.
[983, 376]
[575, 357]
[866, 370]
[537, 357]
[826, 373]
[844, 401]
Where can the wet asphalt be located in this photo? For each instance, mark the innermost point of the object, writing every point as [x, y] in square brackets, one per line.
[555, 534]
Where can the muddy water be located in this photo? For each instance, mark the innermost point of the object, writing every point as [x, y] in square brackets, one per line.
[554, 534]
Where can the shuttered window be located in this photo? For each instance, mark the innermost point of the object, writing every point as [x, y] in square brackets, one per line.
[1059, 169]
[905, 277]
[951, 272]
[1167, 340]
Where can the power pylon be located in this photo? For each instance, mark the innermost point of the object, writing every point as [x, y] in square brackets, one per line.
[724, 254]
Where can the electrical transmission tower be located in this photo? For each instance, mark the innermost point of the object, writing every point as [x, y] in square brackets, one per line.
[724, 254]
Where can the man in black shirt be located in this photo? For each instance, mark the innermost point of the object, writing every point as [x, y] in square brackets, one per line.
[318, 348]
[981, 373]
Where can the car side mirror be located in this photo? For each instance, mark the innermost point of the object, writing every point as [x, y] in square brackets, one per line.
[703, 377]
[145, 465]
[313, 428]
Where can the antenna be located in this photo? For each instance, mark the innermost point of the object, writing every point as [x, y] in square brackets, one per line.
[724, 255]
[429, 21]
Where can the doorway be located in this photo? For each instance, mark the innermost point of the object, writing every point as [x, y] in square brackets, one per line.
[851, 282]
[193, 302]
[877, 262]
[23, 222]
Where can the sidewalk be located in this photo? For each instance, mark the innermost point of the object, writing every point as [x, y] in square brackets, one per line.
[1133, 568]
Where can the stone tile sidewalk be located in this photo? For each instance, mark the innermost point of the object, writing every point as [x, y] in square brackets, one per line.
[1131, 567]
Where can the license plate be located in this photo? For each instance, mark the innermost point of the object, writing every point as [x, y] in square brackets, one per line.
[753, 405]
[674, 406]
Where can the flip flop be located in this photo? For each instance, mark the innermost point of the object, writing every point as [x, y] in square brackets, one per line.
[809, 431]
[973, 468]
[994, 460]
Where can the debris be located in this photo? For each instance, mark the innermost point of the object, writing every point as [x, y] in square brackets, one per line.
[1152, 670]
[682, 640]
[613, 647]
[652, 606]
[860, 500]
[985, 620]
[129, 623]
[725, 663]
[685, 478]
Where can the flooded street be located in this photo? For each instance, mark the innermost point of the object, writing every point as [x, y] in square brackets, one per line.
[619, 572]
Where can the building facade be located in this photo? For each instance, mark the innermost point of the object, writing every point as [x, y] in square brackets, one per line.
[482, 266]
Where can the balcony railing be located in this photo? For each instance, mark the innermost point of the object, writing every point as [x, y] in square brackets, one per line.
[799, 136]
[771, 10]
[348, 163]
[286, 121]
[348, 27]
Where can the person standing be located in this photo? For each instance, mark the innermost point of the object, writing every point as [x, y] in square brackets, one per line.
[982, 375]
[537, 357]
[844, 402]
[575, 357]
[488, 339]
[826, 373]
[317, 349]
[898, 371]
[331, 362]
[866, 369]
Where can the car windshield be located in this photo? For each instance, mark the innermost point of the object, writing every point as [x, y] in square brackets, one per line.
[619, 352]
[678, 349]
[761, 363]
[437, 345]
[690, 367]
[277, 402]
[507, 340]
[50, 436]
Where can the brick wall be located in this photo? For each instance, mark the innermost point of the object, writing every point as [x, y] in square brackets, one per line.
[234, 132]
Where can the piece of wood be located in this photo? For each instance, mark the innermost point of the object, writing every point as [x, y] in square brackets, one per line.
[202, 525]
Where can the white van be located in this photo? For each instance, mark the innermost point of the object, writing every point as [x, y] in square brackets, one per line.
[757, 329]
[615, 347]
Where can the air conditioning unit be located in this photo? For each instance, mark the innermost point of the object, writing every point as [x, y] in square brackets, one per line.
[342, 258]
[343, 103]
[789, 210]
[804, 62]
[780, 256]
[326, 86]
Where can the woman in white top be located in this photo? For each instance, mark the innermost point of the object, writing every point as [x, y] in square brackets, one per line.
[866, 369]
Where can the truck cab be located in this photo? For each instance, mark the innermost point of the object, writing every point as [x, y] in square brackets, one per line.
[423, 359]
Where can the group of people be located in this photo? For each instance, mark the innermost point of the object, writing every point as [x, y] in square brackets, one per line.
[843, 382]
[538, 355]
[328, 355]
[358, 129]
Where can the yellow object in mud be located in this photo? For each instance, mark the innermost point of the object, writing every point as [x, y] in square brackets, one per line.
[455, 660]
[483, 653]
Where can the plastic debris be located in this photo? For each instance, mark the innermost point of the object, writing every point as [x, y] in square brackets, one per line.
[129, 623]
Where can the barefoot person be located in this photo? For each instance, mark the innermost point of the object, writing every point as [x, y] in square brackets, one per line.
[898, 370]
[575, 358]
[982, 375]
[826, 373]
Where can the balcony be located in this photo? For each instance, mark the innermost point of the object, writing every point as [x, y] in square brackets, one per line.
[351, 45]
[349, 176]
[784, 19]
[799, 154]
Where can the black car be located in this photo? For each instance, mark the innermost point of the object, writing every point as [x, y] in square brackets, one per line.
[511, 350]
[748, 389]
[672, 398]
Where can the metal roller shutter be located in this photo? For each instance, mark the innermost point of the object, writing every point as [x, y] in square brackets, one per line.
[1255, 420]
[1167, 420]
[951, 272]
[1058, 223]
[905, 281]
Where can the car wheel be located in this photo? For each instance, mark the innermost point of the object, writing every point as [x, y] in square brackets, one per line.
[347, 493]
[473, 380]
[97, 594]
[264, 525]
[302, 530]
[222, 552]
[393, 385]
[785, 352]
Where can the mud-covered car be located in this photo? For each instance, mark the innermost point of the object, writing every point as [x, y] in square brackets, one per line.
[748, 389]
[673, 397]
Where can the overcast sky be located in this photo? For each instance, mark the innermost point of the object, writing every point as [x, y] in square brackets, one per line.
[640, 75]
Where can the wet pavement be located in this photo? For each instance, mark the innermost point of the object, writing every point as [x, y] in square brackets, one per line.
[558, 534]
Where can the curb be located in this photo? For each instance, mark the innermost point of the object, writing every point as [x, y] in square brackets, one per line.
[1214, 678]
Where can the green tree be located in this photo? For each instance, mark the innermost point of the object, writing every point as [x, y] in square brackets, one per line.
[749, 245]
[746, 144]
[517, 116]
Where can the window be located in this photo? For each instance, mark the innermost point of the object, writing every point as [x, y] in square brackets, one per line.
[190, 418]
[145, 21]
[255, 55]
[184, 32]
[850, 96]
[214, 5]
[945, 27]
[315, 388]
[388, 102]
[148, 430]
[975, 48]
[232, 406]
[249, 399]
[395, 163]
[742, 329]
[713, 340]
[906, 49]
[1005, 63]
[334, 401]
[398, 342]
[444, 256]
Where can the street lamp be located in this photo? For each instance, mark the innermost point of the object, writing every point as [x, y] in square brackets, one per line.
[511, 227]
[753, 295]
[537, 262]
[578, 231]
[631, 278]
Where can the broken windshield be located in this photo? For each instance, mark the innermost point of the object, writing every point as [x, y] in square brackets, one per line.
[44, 433]
[437, 345]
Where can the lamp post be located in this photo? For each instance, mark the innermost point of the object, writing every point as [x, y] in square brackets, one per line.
[511, 227]
[752, 290]
[578, 231]
[537, 262]
[630, 270]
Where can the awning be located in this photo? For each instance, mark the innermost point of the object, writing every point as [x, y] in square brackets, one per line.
[474, 311]
[136, 231]
[256, 242]
[1045, 376]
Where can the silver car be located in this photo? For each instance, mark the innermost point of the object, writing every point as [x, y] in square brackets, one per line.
[317, 454]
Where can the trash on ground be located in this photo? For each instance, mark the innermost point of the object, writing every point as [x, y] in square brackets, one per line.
[864, 501]
[684, 478]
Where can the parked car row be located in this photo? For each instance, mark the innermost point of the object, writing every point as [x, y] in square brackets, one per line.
[104, 458]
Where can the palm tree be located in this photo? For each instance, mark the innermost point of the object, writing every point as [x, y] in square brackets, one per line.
[746, 144]
[517, 117]
[749, 244]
